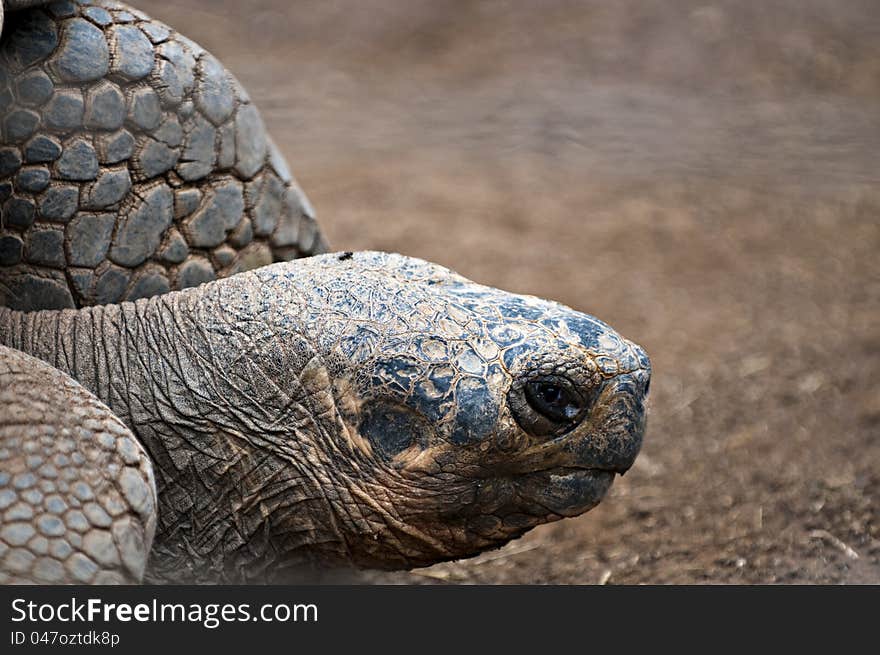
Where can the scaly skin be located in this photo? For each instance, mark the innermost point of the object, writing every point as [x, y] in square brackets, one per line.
[366, 409]
[131, 163]
[77, 495]
[355, 410]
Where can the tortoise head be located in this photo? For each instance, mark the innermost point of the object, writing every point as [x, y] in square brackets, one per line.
[465, 415]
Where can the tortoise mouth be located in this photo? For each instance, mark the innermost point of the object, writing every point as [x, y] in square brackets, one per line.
[566, 491]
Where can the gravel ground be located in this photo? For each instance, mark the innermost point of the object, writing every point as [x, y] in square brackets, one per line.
[701, 175]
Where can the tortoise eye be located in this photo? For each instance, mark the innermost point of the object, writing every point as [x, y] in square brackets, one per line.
[552, 399]
[548, 405]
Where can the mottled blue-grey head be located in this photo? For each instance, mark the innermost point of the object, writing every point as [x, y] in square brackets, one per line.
[458, 416]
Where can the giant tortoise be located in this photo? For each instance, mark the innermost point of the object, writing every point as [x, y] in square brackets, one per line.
[191, 391]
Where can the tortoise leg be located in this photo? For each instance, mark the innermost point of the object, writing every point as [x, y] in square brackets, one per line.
[77, 495]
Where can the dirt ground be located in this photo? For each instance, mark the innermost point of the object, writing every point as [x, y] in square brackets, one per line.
[705, 176]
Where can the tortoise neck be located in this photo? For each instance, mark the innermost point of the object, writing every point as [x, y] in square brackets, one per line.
[76, 341]
[219, 487]
[237, 411]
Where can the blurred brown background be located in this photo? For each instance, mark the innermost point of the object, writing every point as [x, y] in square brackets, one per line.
[702, 175]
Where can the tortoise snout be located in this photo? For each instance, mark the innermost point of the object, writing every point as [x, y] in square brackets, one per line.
[619, 425]
[640, 383]
[640, 356]
[641, 375]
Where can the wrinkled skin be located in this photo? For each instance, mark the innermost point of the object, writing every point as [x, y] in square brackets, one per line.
[362, 409]
[368, 409]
